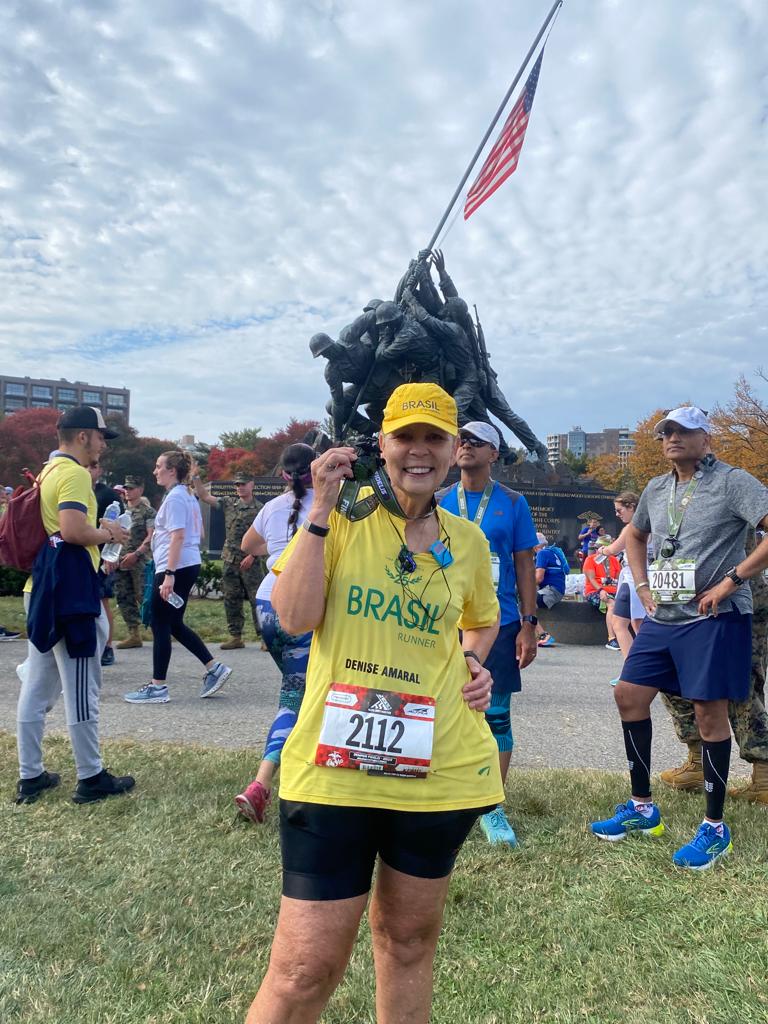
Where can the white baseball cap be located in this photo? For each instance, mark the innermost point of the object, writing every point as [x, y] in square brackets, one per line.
[541, 538]
[482, 431]
[688, 416]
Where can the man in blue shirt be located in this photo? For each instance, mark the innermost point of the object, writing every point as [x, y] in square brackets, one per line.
[505, 518]
[550, 581]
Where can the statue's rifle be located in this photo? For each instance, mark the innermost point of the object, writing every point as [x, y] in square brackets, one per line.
[485, 361]
[358, 399]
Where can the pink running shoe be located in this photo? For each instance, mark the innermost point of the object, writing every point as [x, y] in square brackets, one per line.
[253, 802]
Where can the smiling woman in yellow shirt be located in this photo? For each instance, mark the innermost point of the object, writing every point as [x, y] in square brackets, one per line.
[391, 758]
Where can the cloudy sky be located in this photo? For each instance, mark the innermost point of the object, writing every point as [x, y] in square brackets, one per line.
[189, 189]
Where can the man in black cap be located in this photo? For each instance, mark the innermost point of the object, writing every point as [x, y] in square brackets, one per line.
[242, 573]
[65, 620]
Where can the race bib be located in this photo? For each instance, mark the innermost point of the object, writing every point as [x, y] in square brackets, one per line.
[377, 731]
[495, 569]
[672, 581]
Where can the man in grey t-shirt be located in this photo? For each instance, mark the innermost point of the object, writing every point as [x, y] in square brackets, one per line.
[696, 641]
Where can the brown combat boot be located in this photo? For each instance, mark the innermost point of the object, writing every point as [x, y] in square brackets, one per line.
[688, 776]
[233, 644]
[133, 640]
[757, 790]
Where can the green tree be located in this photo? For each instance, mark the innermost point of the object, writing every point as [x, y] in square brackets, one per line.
[247, 438]
[131, 454]
[578, 463]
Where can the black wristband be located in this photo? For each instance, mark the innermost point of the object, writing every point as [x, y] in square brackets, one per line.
[471, 654]
[318, 531]
[170, 572]
[734, 577]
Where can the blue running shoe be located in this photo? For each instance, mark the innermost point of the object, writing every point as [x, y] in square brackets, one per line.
[626, 820]
[149, 694]
[615, 681]
[546, 640]
[214, 679]
[704, 849]
[496, 827]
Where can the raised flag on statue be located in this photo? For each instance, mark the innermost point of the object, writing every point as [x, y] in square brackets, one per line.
[503, 158]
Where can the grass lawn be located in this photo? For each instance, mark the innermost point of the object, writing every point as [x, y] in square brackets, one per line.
[159, 908]
[206, 617]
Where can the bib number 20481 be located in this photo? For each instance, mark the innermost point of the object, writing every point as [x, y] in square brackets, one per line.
[377, 731]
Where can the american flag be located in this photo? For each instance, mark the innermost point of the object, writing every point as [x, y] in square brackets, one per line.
[502, 160]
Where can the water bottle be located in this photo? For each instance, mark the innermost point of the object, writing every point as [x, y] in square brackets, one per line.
[111, 551]
[175, 600]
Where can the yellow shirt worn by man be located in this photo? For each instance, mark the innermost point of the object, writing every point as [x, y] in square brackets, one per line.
[65, 484]
[385, 675]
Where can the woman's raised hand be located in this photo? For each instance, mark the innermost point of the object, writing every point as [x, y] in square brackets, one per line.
[328, 471]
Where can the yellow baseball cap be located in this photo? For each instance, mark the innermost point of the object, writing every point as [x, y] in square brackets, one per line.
[420, 403]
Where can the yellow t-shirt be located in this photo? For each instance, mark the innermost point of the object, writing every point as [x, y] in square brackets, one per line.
[66, 484]
[379, 636]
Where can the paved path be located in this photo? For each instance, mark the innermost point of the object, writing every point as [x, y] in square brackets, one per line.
[564, 718]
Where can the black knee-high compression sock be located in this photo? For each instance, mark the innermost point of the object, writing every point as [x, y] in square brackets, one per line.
[716, 759]
[637, 743]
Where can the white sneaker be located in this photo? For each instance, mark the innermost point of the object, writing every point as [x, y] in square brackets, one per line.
[214, 679]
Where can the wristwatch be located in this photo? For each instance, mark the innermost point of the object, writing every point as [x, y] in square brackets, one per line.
[170, 572]
[734, 577]
[529, 618]
[318, 531]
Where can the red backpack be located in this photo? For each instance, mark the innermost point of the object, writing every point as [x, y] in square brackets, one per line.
[22, 533]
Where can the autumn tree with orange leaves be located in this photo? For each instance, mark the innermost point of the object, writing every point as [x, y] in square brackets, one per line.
[741, 429]
[647, 459]
[608, 471]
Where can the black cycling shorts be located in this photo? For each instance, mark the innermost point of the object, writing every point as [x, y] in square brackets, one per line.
[329, 852]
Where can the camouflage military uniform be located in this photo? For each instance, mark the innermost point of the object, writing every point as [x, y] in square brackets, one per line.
[129, 583]
[239, 585]
[749, 720]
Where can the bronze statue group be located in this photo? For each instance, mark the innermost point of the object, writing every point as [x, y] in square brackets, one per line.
[425, 334]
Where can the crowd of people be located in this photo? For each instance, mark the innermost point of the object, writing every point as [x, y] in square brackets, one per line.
[387, 758]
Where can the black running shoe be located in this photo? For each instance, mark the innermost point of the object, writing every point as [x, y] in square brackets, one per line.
[30, 790]
[100, 786]
[9, 634]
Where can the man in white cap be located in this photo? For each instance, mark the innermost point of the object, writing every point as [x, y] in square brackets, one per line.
[505, 518]
[696, 641]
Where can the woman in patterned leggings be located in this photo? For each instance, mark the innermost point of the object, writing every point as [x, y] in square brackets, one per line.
[271, 532]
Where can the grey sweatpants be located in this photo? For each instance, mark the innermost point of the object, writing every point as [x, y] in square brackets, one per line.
[79, 679]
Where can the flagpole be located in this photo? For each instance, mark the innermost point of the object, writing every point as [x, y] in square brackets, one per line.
[492, 125]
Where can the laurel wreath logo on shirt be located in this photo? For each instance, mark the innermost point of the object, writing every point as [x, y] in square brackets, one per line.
[401, 577]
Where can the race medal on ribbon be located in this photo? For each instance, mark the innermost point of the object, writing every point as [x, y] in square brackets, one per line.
[377, 731]
[495, 569]
[672, 580]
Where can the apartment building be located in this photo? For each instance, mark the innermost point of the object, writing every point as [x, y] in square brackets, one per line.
[41, 393]
[610, 441]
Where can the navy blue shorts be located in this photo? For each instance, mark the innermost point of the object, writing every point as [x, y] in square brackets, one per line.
[621, 606]
[502, 662]
[707, 659]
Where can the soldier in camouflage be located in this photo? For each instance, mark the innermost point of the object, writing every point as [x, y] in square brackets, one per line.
[129, 578]
[749, 720]
[242, 573]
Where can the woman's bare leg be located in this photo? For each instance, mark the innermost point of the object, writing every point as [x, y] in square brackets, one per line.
[406, 916]
[312, 944]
